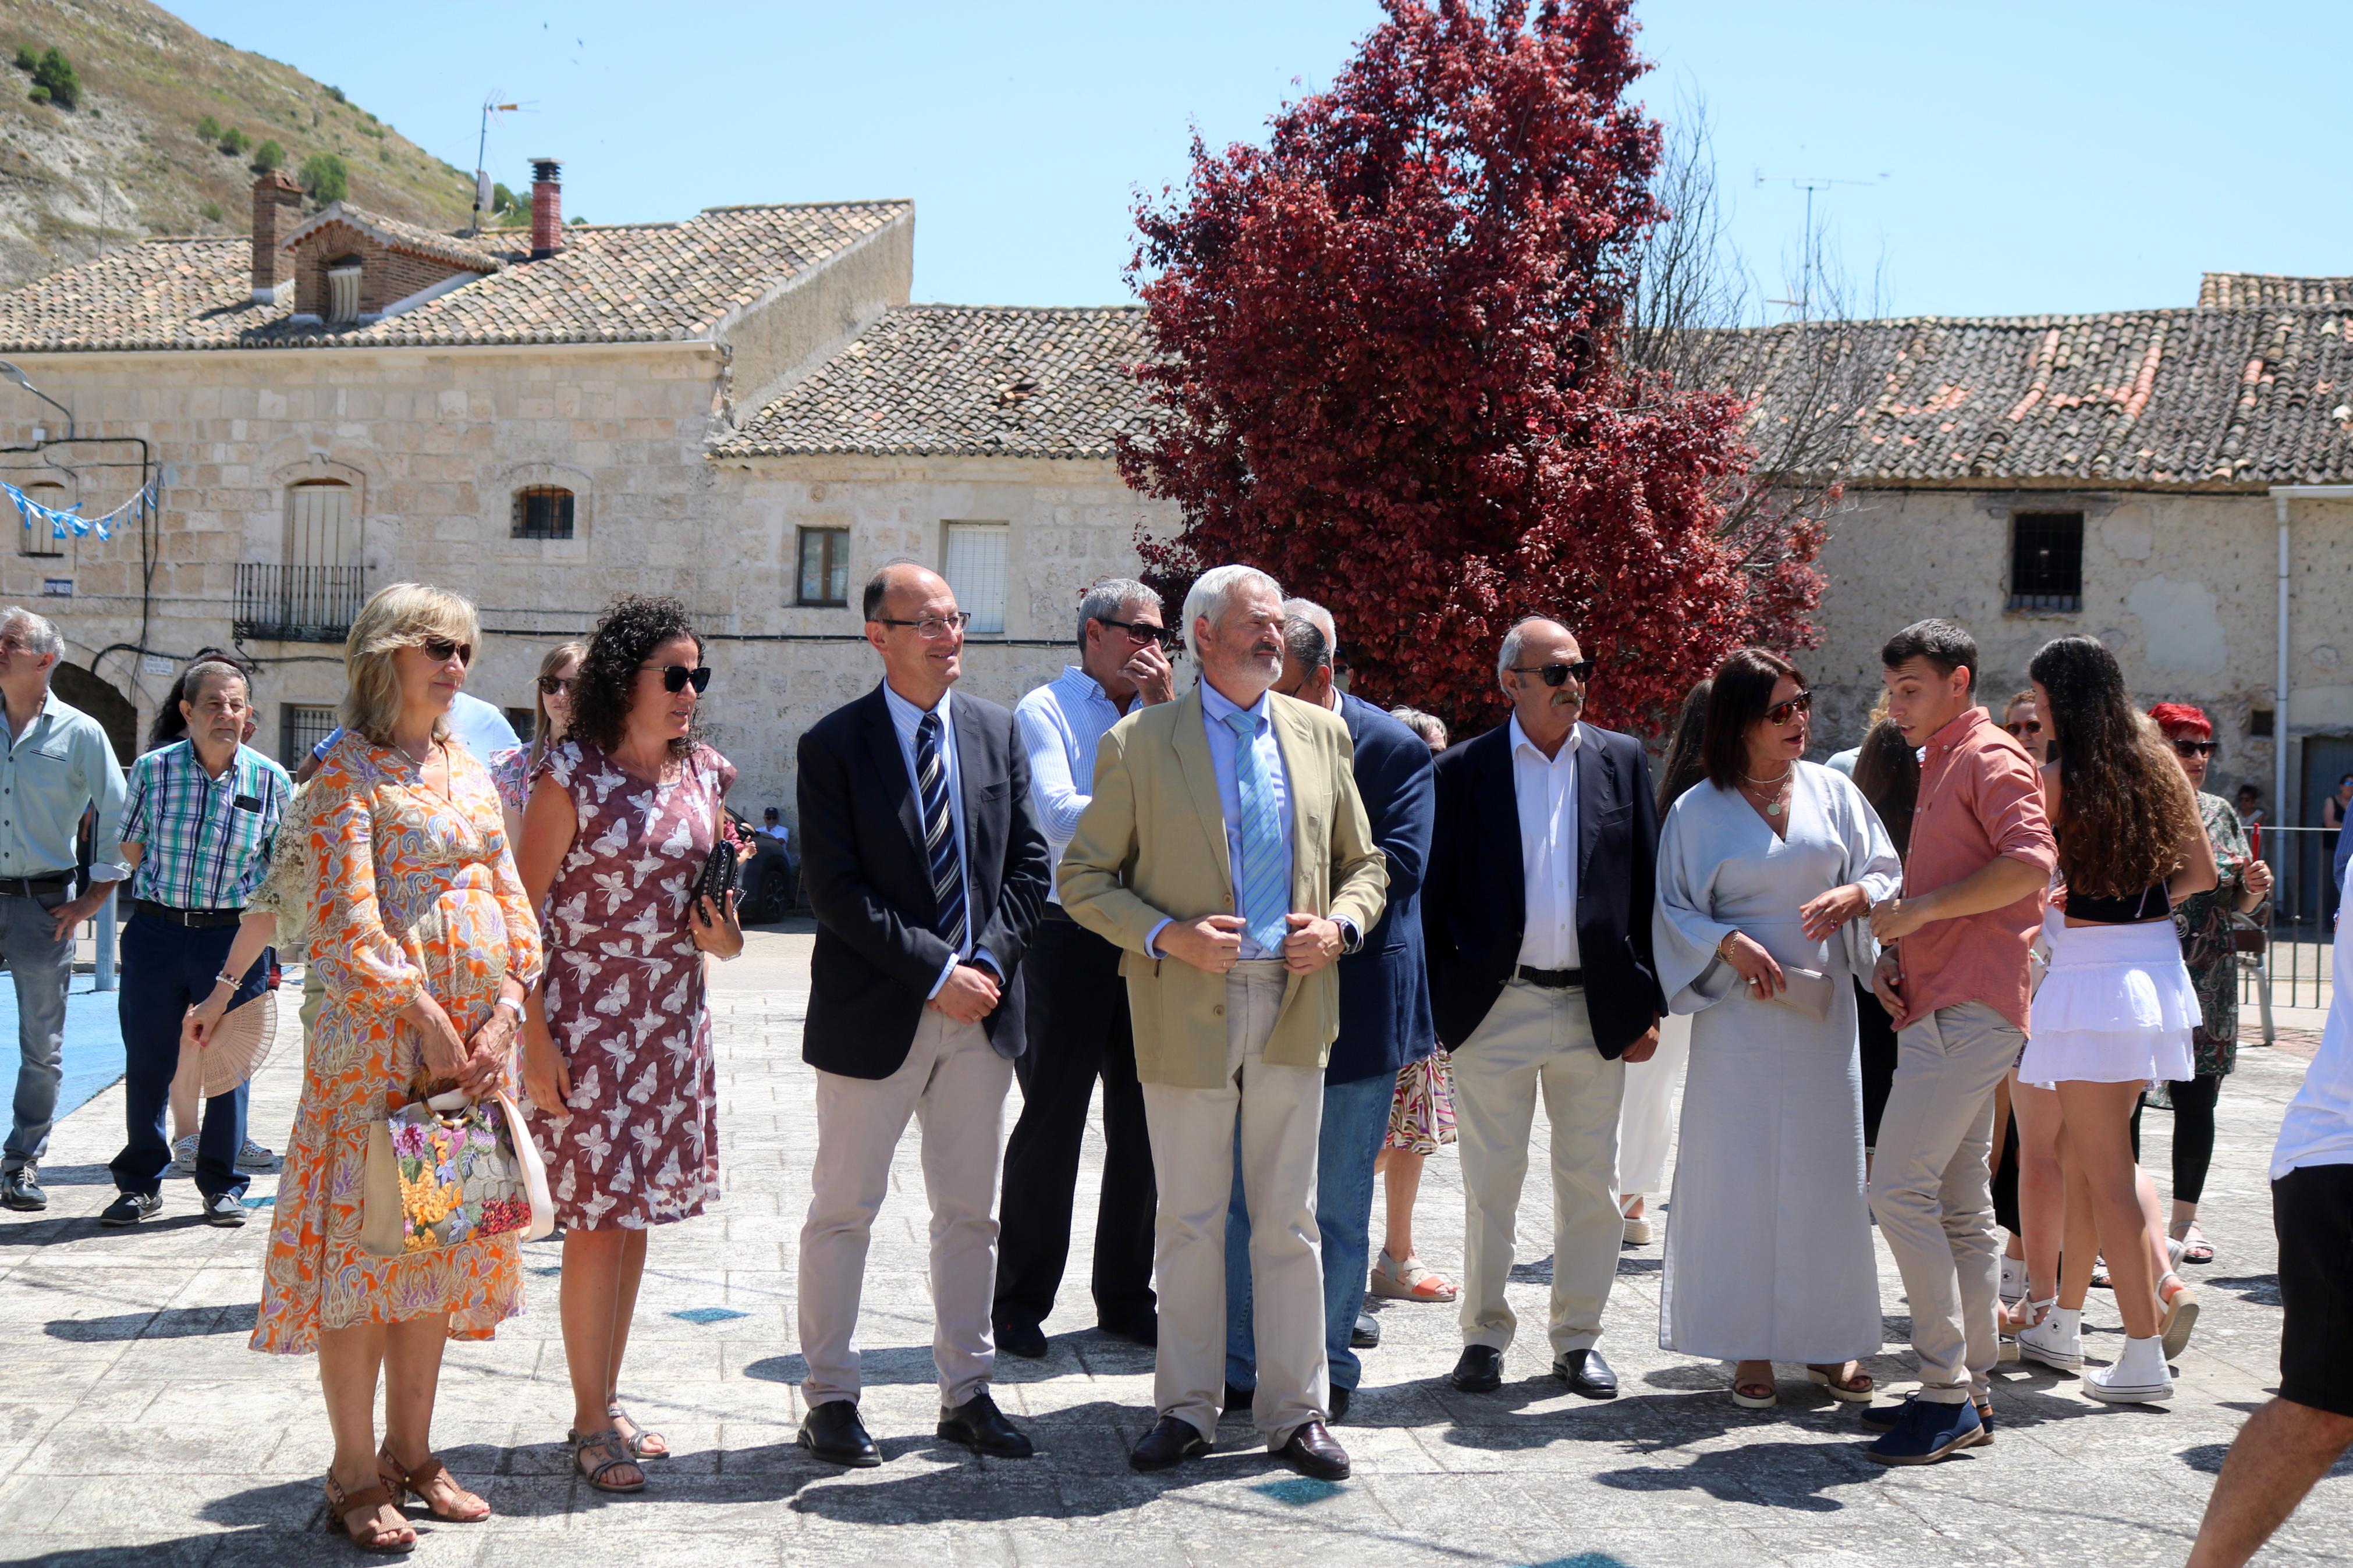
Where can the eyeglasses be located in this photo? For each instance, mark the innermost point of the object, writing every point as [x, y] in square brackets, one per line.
[676, 676]
[1555, 674]
[557, 685]
[2196, 748]
[2025, 727]
[1141, 631]
[439, 650]
[1781, 713]
[931, 628]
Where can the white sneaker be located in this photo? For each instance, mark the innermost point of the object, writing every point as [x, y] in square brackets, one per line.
[184, 1157]
[2056, 1342]
[2138, 1375]
[2014, 1280]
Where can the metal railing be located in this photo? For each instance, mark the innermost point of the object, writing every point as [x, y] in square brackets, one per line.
[297, 603]
[2293, 970]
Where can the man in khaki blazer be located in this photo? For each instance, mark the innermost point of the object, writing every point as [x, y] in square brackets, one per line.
[1228, 856]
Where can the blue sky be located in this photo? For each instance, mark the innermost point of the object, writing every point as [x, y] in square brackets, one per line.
[2014, 158]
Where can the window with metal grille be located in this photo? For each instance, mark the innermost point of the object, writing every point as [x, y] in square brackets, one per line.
[300, 728]
[2046, 561]
[972, 558]
[542, 512]
[824, 566]
[40, 537]
[343, 290]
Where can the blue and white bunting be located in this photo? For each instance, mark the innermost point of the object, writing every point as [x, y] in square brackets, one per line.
[69, 521]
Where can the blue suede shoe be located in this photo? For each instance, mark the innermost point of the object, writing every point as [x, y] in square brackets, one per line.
[1923, 1433]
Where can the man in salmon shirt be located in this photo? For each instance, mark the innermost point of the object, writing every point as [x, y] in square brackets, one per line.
[1954, 978]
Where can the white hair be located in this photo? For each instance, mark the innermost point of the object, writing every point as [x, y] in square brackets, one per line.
[1324, 647]
[1206, 600]
[40, 635]
[1514, 637]
[1108, 597]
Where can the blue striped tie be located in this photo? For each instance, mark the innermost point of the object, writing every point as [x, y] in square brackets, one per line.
[1264, 898]
[939, 833]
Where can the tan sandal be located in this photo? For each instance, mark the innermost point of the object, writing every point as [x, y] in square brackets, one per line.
[645, 1445]
[342, 1505]
[2177, 1312]
[1855, 1388]
[611, 1442]
[1754, 1393]
[403, 1482]
[1409, 1281]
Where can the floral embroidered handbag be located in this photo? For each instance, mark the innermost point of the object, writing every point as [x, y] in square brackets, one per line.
[447, 1170]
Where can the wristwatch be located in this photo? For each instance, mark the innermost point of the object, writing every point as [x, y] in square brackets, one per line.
[1351, 939]
[513, 1004]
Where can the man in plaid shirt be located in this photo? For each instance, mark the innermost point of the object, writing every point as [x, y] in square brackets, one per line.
[197, 829]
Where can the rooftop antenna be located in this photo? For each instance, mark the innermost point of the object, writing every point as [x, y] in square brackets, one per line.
[492, 107]
[1811, 260]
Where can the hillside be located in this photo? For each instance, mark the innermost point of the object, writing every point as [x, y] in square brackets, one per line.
[129, 155]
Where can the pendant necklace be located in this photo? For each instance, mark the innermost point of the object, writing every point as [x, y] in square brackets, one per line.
[1780, 791]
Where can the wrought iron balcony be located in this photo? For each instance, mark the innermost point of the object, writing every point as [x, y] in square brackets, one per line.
[297, 603]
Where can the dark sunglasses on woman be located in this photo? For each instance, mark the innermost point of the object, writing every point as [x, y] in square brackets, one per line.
[557, 685]
[676, 676]
[2024, 727]
[439, 650]
[2196, 748]
[1782, 712]
[1557, 674]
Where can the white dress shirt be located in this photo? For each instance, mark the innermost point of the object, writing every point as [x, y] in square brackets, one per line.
[904, 719]
[1061, 724]
[1546, 788]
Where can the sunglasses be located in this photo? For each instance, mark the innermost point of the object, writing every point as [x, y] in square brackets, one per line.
[439, 650]
[557, 685]
[2025, 727]
[675, 677]
[1781, 713]
[1557, 674]
[1139, 631]
[2196, 748]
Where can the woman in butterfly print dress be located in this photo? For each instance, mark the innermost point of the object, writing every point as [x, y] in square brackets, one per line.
[617, 1053]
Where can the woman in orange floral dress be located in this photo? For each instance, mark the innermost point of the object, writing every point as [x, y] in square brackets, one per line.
[427, 946]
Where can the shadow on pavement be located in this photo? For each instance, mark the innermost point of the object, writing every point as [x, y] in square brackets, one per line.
[167, 1323]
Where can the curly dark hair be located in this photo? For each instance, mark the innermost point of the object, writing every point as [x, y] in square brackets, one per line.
[2124, 806]
[632, 626]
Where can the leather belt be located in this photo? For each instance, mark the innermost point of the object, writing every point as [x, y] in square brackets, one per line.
[195, 920]
[1553, 979]
[47, 882]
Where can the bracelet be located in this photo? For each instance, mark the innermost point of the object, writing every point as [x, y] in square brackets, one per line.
[231, 981]
[508, 1002]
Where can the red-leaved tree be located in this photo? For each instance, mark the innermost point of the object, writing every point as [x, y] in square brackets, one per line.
[1387, 371]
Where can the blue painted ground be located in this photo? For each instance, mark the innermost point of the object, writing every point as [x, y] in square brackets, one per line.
[94, 1049]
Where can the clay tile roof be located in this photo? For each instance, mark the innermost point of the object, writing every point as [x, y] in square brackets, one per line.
[2228, 290]
[963, 380]
[617, 283]
[395, 234]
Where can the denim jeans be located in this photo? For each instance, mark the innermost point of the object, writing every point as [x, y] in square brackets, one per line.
[41, 966]
[170, 969]
[1356, 1123]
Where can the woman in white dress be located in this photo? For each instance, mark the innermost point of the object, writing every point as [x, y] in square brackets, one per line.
[1764, 872]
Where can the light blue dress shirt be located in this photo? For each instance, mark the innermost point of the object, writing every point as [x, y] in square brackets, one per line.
[1223, 746]
[1062, 722]
[475, 724]
[60, 767]
[904, 719]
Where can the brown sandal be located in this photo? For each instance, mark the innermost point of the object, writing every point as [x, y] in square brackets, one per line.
[645, 1445]
[342, 1505]
[1856, 1389]
[404, 1483]
[610, 1442]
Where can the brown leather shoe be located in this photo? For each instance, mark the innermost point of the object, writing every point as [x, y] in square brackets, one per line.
[1312, 1452]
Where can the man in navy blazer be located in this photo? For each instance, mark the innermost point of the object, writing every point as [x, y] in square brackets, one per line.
[1384, 1022]
[1537, 914]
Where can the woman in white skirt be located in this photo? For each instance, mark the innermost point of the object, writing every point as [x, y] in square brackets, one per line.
[1765, 868]
[2116, 1007]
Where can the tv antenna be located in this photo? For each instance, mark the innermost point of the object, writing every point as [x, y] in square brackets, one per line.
[1811, 260]
[491, 109]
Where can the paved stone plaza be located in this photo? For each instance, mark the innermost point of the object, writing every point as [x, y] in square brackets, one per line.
[136, 1427]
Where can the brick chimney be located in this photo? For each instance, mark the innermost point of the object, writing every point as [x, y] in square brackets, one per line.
[547, 208]
[277, 209]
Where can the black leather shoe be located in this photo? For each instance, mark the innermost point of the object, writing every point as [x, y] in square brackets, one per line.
[1340, 1397]
[19, 1191]
[1169, 1444]
[1026, 1341]
[1481, 1370]
[1587, 1373]
[981, 1427]
[833, 1433]
[1312, 1452]
[1238, 1400]
[130, 1208]
[1366, 1335]
[1138, 1329]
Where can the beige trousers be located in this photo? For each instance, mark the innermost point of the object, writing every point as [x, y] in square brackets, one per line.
[1280, 1111]
[1932, 1190]
[1535, 1040]
[954, 1085]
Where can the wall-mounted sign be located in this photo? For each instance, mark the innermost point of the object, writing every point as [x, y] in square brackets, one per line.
[57, 587]
[154, 664]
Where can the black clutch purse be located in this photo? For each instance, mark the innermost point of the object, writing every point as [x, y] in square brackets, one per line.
[721, 875]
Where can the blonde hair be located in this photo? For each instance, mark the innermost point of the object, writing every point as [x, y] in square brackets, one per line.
[401, 615]
[555, 658]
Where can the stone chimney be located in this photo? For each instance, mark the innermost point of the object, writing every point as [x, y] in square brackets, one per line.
[277, 209]
[547, 208]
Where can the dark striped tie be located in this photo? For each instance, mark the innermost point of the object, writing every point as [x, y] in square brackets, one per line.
[939, 833]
